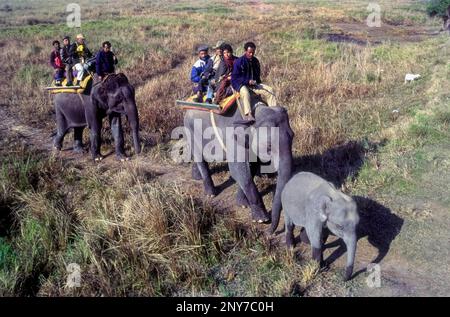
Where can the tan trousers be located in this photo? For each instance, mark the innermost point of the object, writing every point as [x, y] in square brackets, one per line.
[261, 90]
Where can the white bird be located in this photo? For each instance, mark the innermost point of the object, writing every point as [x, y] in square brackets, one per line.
[411, 77]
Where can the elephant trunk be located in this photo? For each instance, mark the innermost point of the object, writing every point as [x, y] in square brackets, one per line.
[284, 174]
[133, 118]
[350, 243]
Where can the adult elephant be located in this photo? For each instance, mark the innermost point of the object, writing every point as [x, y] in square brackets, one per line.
[241, 170]
[110, 98]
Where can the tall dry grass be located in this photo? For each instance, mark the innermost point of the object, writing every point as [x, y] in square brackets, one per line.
[131, 236]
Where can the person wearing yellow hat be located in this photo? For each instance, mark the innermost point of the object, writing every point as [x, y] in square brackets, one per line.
[82, 50]
[82, 54]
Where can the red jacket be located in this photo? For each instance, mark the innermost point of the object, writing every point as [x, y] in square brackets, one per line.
[55, 60]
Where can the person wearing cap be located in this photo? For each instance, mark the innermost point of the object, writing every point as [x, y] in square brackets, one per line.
[246, 79]
[210, 70]
[213, 63]
[56, 63]
[81, 50]
[105, 61]
[67, 55]
[198, 77]
[82, 54]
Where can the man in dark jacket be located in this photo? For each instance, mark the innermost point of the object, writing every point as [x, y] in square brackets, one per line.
[246, 78]
[105, 61]
[56, 63]
[67, 55]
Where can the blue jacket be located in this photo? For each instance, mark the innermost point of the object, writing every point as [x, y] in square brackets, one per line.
[104, 63]
[244, 70]
[198, 69]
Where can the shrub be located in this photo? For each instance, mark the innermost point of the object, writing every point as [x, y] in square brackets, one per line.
[437, 7]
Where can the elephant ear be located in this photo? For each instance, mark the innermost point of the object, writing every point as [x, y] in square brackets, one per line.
[322, 207]
[100, 95]
[241, 132]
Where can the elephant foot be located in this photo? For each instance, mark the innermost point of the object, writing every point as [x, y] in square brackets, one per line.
[290, 244]
[242, 201]
[348, 273]
[122, 158]
[304, 237]
[211, 191]
[317, 256]
[259, 215]
[271, 232]
[196, 173]
[78, 150]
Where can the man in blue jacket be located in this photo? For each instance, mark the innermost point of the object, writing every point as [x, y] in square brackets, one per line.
[105, 61]
[246, 79]
[198, 76]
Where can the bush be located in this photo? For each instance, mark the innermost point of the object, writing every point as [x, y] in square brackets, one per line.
[437, 7]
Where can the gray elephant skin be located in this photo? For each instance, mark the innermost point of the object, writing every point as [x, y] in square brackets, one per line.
[111, 98]
[313, 203]
[243, 172]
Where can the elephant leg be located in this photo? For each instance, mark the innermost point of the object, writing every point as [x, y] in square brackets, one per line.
[289, 225]
[208, 183]
[242, 175]
[61, 130]
[241, 199]
[315, 236]
[58, 141]
[304, 237]
[78, 140]
[117, 132]
[196, 175]
[325, 235]
[95, 138]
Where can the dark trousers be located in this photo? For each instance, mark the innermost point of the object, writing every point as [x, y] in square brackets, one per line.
[69, 73]
[59, 74]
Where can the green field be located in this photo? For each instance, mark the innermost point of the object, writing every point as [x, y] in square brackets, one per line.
[145, 228]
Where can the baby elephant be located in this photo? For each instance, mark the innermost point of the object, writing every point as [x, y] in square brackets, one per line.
[313, 203]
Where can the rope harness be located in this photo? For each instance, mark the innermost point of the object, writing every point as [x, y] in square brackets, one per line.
[214, 125]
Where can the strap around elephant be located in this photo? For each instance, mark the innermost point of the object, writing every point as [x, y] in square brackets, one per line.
[238, 101]
[216, 131]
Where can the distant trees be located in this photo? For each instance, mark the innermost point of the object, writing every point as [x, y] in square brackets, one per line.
[438, 7]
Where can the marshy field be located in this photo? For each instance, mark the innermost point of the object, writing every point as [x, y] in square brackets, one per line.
[145, 228]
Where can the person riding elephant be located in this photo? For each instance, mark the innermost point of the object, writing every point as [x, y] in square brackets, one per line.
[83, 57]
[56, 63]
[105, 61]
[112, 98]
[246, 79]
[217, 142]
[198, 78]
[223, 74]
[67, 55]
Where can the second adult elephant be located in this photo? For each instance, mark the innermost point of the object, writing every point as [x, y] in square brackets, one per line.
[111, 98]
[241, 170]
